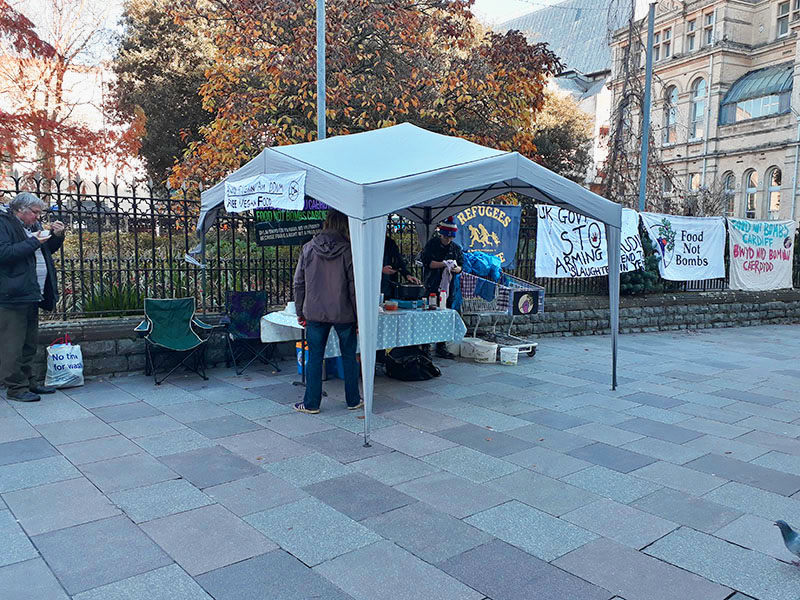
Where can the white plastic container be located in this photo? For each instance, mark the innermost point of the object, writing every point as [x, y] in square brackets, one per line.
[454, 348]
[469, 346]
[509, 356]
[486, 352]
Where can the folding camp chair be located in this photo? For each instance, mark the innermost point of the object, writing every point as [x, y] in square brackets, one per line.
[170, 325]
[242, 325]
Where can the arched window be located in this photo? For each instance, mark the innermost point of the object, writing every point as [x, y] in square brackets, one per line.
[729, 194]
[750, 194]
[697, 114]
[774, 192]
[671, 115]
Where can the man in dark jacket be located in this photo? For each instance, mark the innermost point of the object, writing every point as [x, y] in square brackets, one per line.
[394, 267]
[27, 282]
[325, 297]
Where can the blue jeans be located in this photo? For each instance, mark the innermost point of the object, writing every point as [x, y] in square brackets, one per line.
[317, 338]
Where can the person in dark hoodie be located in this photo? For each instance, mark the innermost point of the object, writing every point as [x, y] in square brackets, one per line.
[27, 283]
[325, 297]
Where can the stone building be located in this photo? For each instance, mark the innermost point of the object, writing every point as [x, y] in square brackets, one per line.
[725, 108]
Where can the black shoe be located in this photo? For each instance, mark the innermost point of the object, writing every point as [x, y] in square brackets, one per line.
[444, 353]
[24, 397]
[42, 389]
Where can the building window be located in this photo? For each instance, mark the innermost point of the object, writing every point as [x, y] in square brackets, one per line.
[774, 179]
[757, 107]
[729, 194]
[783, 19]
[667, 43]
[750, 194]
[690, 34]
[697, 114]
[708, 29]
[693, 183]
[671, 115]
[796, 10]
[656, 47]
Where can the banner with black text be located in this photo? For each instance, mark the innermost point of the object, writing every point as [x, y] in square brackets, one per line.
[689, 248]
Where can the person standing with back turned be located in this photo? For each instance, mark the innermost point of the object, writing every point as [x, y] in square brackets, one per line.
[325, 297]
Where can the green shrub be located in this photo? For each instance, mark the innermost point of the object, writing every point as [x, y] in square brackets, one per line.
[114, 300]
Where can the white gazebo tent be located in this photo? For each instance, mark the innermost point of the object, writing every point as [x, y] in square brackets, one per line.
[423, 175]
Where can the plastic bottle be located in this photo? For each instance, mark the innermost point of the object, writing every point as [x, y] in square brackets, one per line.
[443, 299]
[432, 302]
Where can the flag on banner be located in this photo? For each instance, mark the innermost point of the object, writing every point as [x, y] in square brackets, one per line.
[571, 245]
[761, 254]
[493, 229]
[689, 248]
[269, 190]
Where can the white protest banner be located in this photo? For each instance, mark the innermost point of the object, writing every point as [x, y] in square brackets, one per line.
[761, 254]
[571, 245]
[689, 248]
[284, 191]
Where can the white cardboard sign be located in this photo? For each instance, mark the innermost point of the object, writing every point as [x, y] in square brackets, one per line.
[285, 191]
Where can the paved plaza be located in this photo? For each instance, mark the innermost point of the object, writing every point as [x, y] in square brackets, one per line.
[524, 483]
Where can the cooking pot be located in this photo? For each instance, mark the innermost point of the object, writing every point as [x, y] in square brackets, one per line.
[407, 291]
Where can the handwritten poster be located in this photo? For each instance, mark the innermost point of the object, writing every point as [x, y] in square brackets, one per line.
[571, 245]
[761, 254]
[689, 248]
[493, 229]
[268, 190]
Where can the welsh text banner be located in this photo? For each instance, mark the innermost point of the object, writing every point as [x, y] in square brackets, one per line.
[269, 190]
[761, 254]
[689, 248]
[493, 229]
[571, 245]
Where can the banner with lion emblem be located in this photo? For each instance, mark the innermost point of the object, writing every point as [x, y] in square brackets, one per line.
[493, 229]
[689, 248]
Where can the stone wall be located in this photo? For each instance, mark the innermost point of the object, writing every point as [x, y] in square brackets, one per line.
[109, 345]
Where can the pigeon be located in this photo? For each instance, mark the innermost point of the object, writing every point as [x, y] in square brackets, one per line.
[790, 538]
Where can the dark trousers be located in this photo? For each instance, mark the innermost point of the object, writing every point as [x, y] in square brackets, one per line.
[317, 338]
[19, 333]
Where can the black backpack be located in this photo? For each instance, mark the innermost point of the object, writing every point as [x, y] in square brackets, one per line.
[410, 363]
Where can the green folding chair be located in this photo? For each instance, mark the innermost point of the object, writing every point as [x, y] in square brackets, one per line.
[170, 325]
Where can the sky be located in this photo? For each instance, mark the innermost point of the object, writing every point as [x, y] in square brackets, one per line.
[492, 12]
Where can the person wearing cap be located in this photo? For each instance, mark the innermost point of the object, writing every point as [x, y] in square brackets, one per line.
[435, 257]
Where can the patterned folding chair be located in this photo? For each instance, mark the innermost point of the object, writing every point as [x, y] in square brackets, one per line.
[171, 325]
[243, 328]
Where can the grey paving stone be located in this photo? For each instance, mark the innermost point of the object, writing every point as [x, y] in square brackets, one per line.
[258, 408]
[709, 412]
[309, 469]
[733, 448]
[166, 583]
[126, 412]
[635, 576]
[486, 569]
[605, 433]
[542, 492]
[747, 473]
[173, 442]
[94, 554]
[160, 500]
[423, 419]
[678, 507]
[59, 505]
[704, 399]
[483, 417]
[661, 415]
[611, 484]
[727, 564]
[147, 426]
[715, 428]
[553, 439]
[430, 534]
[53, 410]
[532, 530]
[79, 453]
[550, 463]
[346, 447]
[757, 534]
[470, 464]
[90, 398]
[768, 412]
[295, 424]
[780, 462]
[253, 494]
[374, 498]
[598, 414]
[393, 468]
[30, 580]
[207, 467]
[685, 376]
[79, 430]
[199, 410]
[620, 523]
[493, 443]
[35, 472]
[25, 450]
[16, 428]
[612, 457]
[660, 431]
[747, 396]
[207, 538]
[16, 546]
[680, 478]
[553, 419]
[264, 446]
[752, 500]
[406, 578]
[771, 442]
[354, 422]
[661, 450]
[312, 531]
[453, 495]
[126, 472]
[770, 426]
[255, 579]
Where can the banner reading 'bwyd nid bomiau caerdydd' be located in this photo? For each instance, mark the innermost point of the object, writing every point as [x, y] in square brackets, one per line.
[761, 254]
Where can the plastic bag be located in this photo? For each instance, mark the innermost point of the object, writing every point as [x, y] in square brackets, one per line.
[64, 364]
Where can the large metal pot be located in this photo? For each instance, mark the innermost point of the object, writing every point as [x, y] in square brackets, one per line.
[407, 291]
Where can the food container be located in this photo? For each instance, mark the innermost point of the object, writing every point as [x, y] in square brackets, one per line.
[390, 305]
[486, 353]
[509, 356]
[407, 291]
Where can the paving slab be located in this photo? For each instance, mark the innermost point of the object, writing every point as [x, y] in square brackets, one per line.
[423, 419]
[206, 467]
[295, 424]
[358, 496]
[661, 415]
[166, 583]
[493, 443]
[159, 500]
[263, 447]
[748, 473]
[52, 410]
[539, 435]
[79, 453]
[15, 428]
[542, 492]
[486, 569]
[147, 426]
[611, 484]
[387, 572]
[254, 494]
[733, 448]
[685, 509]
[25, 450]
[16, 546]
[470, 464]
[685, 479]
[636, 576]
[309, 469]
[224, 426]
[126, 412]
[747, 396]
[599, 414]
[711, 427]
[173, 442]
[409, 441]
[660, 431]
[666, 451]
[393, 468]
[611, 457]
[197, 410]
[67, 432]
[30, 580]
[553, 419]
[710, 412]
[255, 579]
[126, 472]
[605, 433]
[772, 426]
[547, 462]
[98, 553]
[312, 531]
[757, 534]
[770, 441]
[35, 472]
[779, 461]
[258, 408]
[453, 495]
[483, 417]
[755, 501]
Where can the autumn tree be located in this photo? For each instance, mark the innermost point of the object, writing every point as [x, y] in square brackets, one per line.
[388, 61]
[563, 136]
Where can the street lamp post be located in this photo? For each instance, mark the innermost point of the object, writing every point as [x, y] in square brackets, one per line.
[321, 70]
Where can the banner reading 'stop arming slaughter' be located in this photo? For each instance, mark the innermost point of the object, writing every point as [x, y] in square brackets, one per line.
[761, 254]
[689, 248]
[571, 245]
